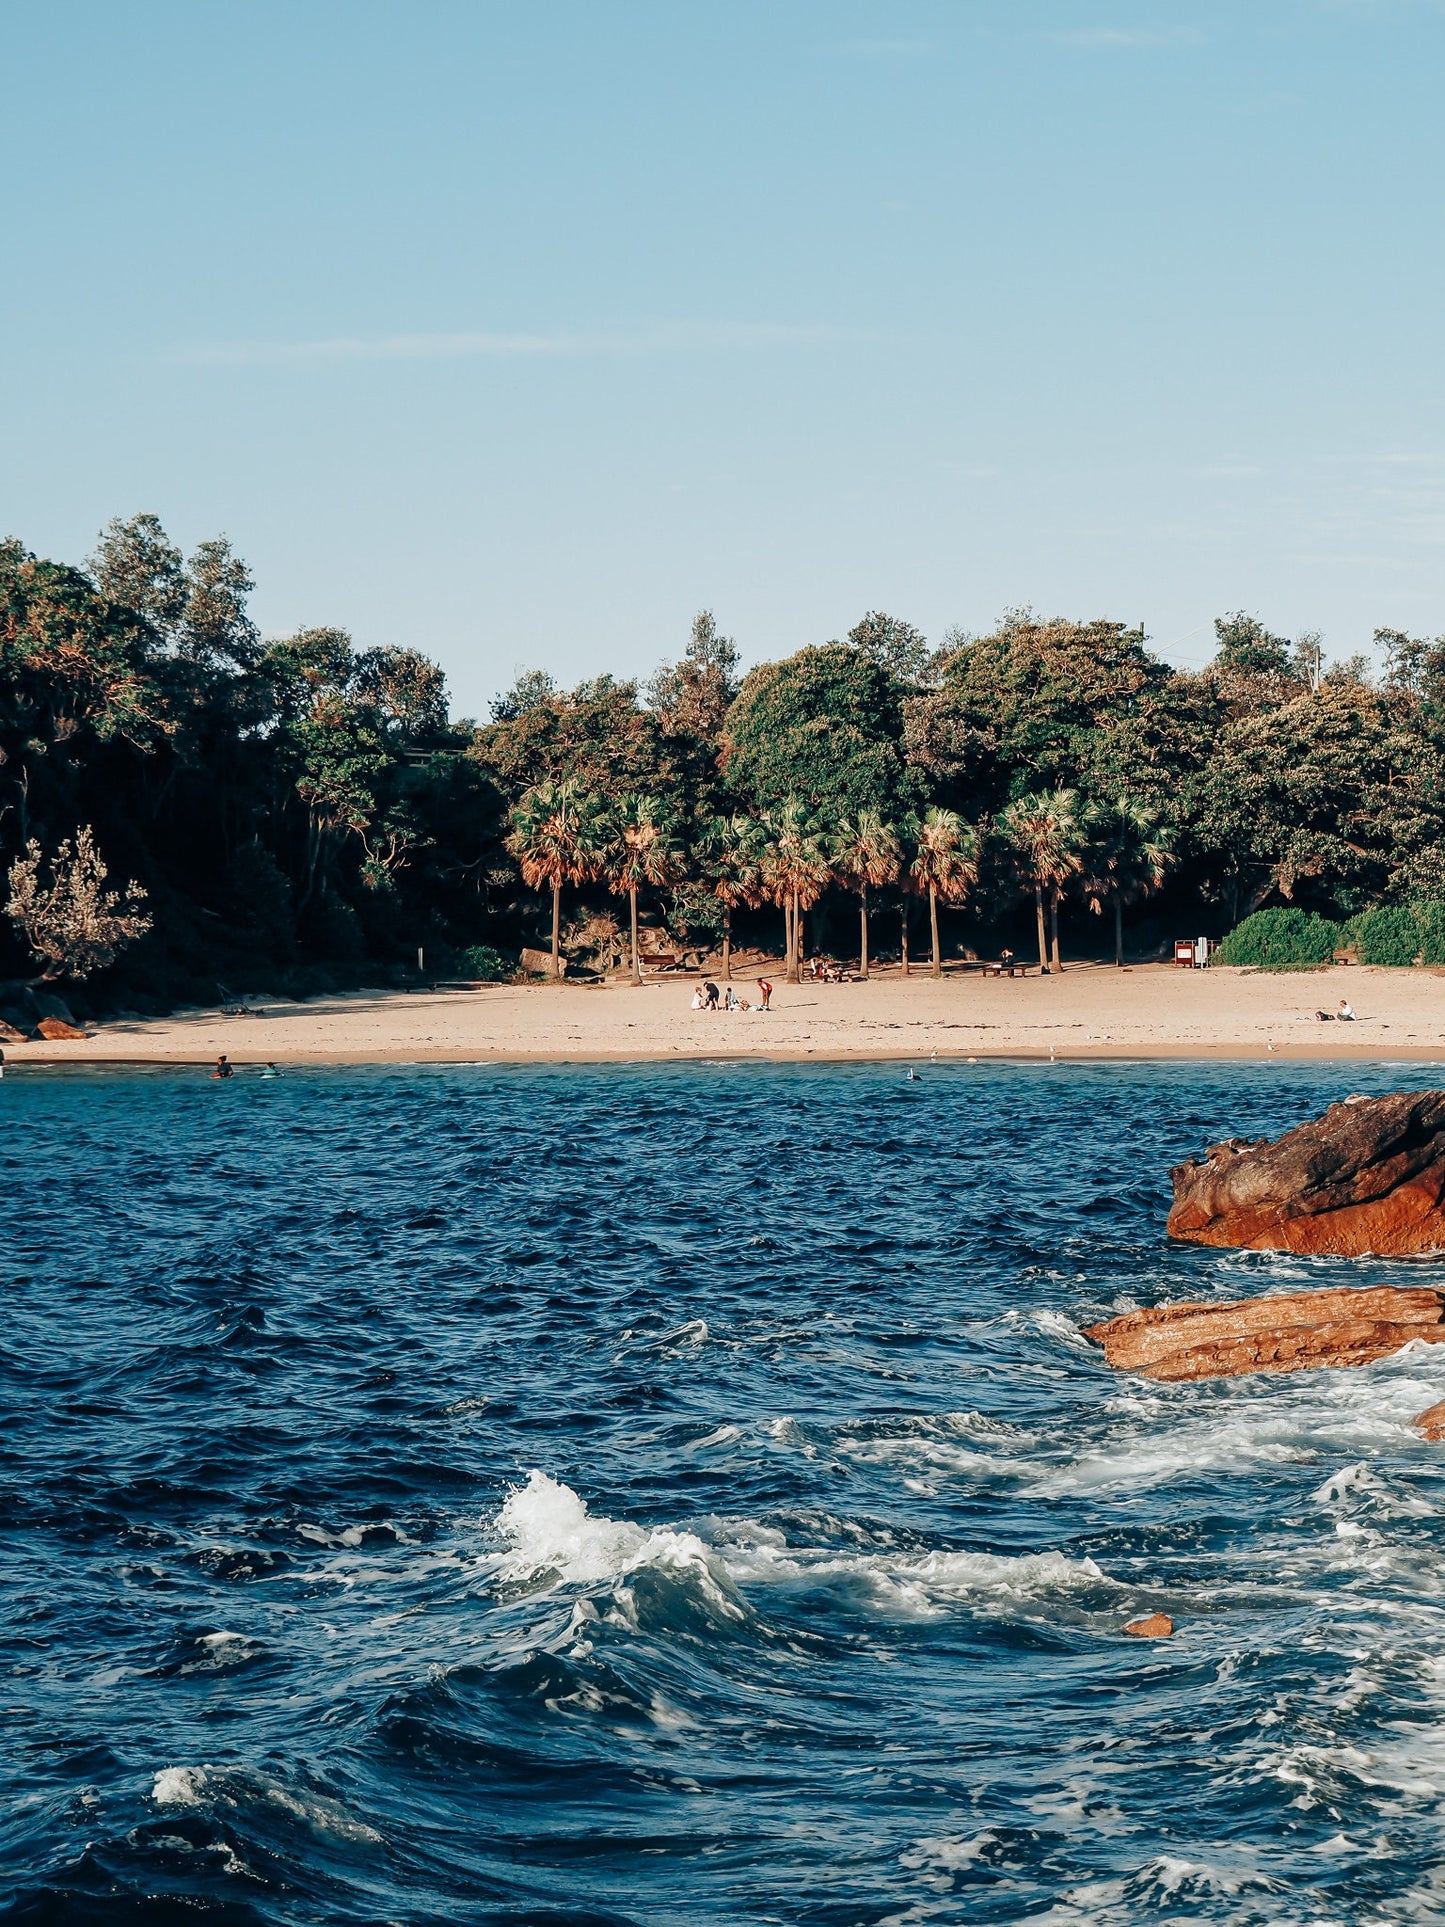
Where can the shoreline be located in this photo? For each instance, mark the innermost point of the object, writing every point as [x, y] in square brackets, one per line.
[1091, 1013]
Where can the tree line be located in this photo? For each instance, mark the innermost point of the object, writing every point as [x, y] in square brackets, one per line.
[187, 807]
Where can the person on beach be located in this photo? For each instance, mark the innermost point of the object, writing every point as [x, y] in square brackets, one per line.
[730, 1001]
[1346, 1011]
[712, 996]
[699, 1002]
[767, 989]
[223, 1067]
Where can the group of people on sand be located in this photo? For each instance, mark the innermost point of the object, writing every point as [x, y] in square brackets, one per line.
[1344, 1015]
[225, 1068]
[707, 996]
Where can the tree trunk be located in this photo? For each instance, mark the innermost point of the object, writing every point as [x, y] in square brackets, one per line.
[933, 927]
[792, 972]
[1118, 931]
[727, 943]
[1043, 944]
[1054, 958]
[863, 935]
[905, 936]
[557, 928]
[636, 964]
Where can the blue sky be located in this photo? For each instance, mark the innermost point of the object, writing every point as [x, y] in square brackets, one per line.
[519, 333]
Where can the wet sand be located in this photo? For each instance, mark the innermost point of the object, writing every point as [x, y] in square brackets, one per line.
[1092, 1010]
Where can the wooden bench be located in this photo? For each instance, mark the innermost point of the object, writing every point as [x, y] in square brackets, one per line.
[1006, 969]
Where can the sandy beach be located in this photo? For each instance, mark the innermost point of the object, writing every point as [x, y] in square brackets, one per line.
[1089, 1011]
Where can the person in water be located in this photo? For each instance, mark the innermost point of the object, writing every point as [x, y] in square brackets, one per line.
[270, 1070]
[223, 1067]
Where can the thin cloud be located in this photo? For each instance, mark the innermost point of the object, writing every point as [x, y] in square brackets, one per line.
[666, 338]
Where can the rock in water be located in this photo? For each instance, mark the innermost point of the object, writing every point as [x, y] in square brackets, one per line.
[1431, 1422]
[1151, 1626]
[1286, 1334]
[1367, 1177]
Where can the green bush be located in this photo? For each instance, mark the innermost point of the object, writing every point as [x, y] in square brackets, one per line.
[1281, 940]
[1399, 934]
[490, 966]
[1388, 934]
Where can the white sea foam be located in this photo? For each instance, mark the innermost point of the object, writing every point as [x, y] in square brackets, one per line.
[190, 1786]
[554, 1535]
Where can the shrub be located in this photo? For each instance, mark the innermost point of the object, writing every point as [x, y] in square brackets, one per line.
[489, 966]
[1281, 940]
[1399, 934]
[1388, 934]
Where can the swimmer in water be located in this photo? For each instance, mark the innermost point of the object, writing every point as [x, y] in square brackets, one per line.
[270, 1070]
[223, 1067]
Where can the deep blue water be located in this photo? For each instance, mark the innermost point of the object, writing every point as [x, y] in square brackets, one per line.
[305, 1386]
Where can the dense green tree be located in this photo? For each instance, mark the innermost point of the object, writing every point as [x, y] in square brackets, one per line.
[824, 727]
[1044, 705]
[597, 736]
[893, 644]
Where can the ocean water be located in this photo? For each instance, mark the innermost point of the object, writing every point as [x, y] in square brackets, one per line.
[682, 1493]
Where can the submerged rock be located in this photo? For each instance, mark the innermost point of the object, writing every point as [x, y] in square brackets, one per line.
[1431, 1422]
[1367, 1177]
[1151, 1626]
[1286, 1334]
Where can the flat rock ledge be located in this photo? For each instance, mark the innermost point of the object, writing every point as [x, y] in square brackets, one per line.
[1291, 1333]
[1367, 1178]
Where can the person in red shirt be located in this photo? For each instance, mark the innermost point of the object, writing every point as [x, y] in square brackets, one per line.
[767, 989]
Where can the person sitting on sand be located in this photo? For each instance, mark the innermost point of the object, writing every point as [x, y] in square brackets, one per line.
[730, 1001]
[223, 1067]
[1346, 1011]
[767, 989]
[699, 1002]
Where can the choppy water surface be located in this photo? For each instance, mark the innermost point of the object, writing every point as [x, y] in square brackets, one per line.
[669, 1494]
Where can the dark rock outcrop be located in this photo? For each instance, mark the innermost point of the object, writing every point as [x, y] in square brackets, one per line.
[56, 1030]
[1367, 1177]
[1286, 1334]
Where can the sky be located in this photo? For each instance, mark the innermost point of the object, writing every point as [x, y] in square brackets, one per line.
[519, 333]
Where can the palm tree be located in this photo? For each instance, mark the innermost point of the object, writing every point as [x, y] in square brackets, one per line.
[795, 869]
[1046, 834]
[642, 850]
[866, 854]
[1127, 855]
[728, 853]
[558, 837]
[946, 865]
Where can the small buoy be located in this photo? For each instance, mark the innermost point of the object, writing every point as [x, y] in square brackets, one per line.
[1151, 1626]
